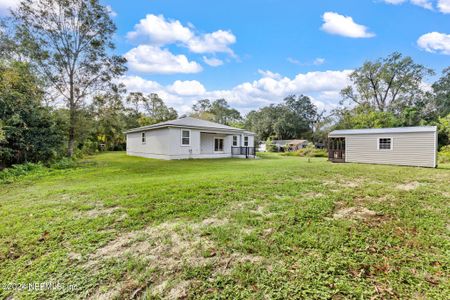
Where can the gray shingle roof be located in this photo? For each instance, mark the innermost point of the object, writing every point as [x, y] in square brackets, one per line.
[190, 122]
[383, 130]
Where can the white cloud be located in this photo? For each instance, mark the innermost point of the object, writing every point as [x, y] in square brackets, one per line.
[187, 88]
[214, 42]
[293, 61]
[423, 3]
[269, 74]
[6, 5]
[316, 62]
[395, 2]
[111, 11]
[319, 61]
[157, 30]
[152, 59]
[322, 87]
[427, 4]
[337, 24]
[444, 6]
[435, 42]
[212, 61]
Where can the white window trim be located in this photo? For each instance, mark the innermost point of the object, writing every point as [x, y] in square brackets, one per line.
[387, 137]
[214, 145]
[248, 140]
[237, 141]
[144, 135]
[190, 136]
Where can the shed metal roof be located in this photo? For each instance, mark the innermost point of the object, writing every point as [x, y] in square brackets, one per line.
[383, 130]
[190, 122]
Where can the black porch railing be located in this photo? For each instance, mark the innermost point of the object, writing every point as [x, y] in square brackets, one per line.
[247, 151]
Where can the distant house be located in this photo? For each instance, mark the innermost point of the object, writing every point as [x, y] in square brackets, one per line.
[289, 145]
[190, 138]
[410, 146]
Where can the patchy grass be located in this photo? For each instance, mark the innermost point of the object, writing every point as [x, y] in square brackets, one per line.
[279, 227]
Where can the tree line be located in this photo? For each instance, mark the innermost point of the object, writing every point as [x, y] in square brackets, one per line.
[60, 91]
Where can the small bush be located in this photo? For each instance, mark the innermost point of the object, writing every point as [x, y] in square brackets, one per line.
[444, 155]
[308, 151]
[64, 163]
[11, 174]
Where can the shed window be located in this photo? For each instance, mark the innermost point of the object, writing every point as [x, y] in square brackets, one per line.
[185, 137]
[144, 139]
[245, 141]
[235, 140]
[385, 143]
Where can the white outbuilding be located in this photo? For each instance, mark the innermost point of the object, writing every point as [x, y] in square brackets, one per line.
[407, 146]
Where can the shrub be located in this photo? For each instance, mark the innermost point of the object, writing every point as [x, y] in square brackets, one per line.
[270, 147]
[11, 174]
[308, 151]
[444, 155]
[64, 163]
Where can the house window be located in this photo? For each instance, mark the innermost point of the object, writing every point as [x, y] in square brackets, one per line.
[245, 141]
[144, 139]
[385, 144]
[185, 137]
[235, 140]
[218, 145]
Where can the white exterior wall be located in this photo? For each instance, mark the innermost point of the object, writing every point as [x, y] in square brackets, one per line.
[166, 144]
[156, 145]
[251, 140]
[409, 149]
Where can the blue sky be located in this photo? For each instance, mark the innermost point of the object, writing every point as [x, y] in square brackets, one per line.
[255, 52]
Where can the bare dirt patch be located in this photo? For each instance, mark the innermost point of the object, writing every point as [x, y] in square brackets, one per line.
[358, 213]
[312, 195]
[352, 183]
[409, 186]
[168, 248]
[98, 210]
[214, 222]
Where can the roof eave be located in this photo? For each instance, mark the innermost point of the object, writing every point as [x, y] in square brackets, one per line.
[233, 130]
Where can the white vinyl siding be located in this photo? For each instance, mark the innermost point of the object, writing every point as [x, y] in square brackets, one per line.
[410, 149]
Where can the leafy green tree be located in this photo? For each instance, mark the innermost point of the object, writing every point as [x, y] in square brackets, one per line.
[201, 106]
[218, 111]
[110, 118]
[2, 132]
[388, 84]
[223, 113]
[294, 118]
[31, 132]
[363, 116]
[441, 90]
[150, 109]
[157, 110]
[70, 44]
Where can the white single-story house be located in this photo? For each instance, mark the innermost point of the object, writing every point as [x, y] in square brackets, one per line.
[408, 146]
[190, 138]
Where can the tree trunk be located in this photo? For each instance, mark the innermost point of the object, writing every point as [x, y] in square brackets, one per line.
[71, 144]
[72, 119]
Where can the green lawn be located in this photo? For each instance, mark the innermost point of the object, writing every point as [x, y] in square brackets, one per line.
[277, 227]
